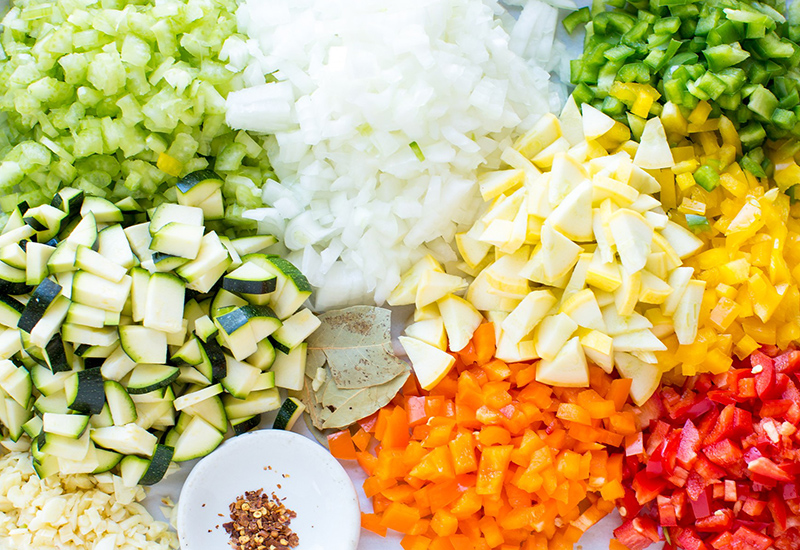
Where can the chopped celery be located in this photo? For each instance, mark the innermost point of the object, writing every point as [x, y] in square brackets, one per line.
[93, 100]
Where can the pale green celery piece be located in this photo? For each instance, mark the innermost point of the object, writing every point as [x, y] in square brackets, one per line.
[32, 156]
[135, 51]
[57, 149]
[230, 158]
[89, 97]
[131, 110]
[10, 174]
[183, 148]
[88, 142]
[156, 143]
[106, 73]
[253, 149]
[75, 66]
[195, 164]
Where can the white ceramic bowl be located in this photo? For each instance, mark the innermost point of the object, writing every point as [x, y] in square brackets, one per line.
[313, 483]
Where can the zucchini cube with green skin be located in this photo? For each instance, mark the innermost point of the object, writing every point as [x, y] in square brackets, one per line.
[67, 425]
[10, 311]
[132, 468]
[291, 410]
[240, 378]
[139, 240]
[214, 206]
[157, 465]
[129, 439]
[196, 187]
[164, 303]
[117, 365]
[101, 293]
[104, 211]
[290, 368]
[212, 411]
[198, 439]
[192, 398]
[143, 345]
[68, 199]
[37, 256]
[106, 460]
[244, 425]
[88, 260]
[264, 355]
[120, 404]
[46, 220]
[175, 213]
[295, 330]
[55, 355]
[178, 239]
[49, 324]
[14, 255]
[112, 244]
[210, 264]
[214, 366]
[249, 278]
[292, 287]
[84, 233]
[64, 447]
[147, 377]
[16, 416]
[18, 385]
[84, 392]
[256, 403]
[253, 244]
[40, 300]
[47, 381]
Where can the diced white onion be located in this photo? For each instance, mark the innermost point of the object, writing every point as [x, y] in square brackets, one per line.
[356, 85]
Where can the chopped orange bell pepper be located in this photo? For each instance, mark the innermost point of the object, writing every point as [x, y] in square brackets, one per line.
[493, 460]
[341, 445]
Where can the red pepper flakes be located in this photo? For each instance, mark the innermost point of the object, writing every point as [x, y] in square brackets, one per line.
[259, 522]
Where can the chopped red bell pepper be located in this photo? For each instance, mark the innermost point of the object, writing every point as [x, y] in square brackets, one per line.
[690, 442]
[637, 533]
[788, 362]
[763, 466]
[720, 520]
[747, 539]
[724, 453]
[689, 540]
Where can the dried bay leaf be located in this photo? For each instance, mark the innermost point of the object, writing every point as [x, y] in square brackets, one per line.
[315, 358]
[365, 401]
[357, 343]
[314, 409]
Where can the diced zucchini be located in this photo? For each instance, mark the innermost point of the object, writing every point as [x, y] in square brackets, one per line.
[120, 404]
[157, 465]
[240, 378]
[212, 411]
[147, 377]
[244, 425]
[198, 439]
[164, 303]
[67, 425]
[195, 397]
[84, 391]
[128, 440]
[256, 403]
[143, 345]
[295, 330]
[290, 411]
[290, 369]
